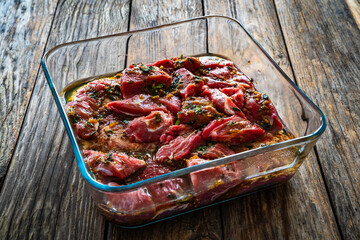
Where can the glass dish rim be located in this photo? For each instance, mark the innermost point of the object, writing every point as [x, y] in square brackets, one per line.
[220, 161]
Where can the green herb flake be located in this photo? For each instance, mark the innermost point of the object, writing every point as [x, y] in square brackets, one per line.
[109, 158]
[198, 109]
[160, 85]
[177, 122]
[158, 117]
[236, 109]
[191, 61]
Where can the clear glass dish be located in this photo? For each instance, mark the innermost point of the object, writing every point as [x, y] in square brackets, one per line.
[138, 204]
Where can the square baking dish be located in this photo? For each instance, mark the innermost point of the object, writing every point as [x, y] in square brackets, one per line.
[134, 205]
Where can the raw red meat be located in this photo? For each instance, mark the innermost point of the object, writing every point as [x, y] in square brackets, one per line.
[197, 112]
[259, 109]
[232, 130]
[167, 192]
[112, 164]
[138, 105]
[229, 74]
[149, 129]
[171, 102]
[179, 148]
[236, 94]
[215, 62]
[189, 84]
[140, 79]
[131, 207]
[210, 183]
[190, 63]
[166, 65]
[222, 102]
[87, 129]
[214, 151]
[174, 131]
[112, 137]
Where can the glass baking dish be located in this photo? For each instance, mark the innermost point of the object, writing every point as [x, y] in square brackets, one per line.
[151, 200]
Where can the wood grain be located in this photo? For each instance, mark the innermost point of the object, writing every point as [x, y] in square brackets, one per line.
[280, 213]
[202, 224]
[24, 28]
[44, 195]
[323, 42]
[354, 6]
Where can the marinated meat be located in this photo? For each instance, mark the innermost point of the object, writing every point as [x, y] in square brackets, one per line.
[172, 103]
[232, 130]
[112, 164]
[166, 192]
[153, 119]
[215, 62]
[166, 65]
[138, 105]
[222, 102]
[175, 131]
[143, 79]
[215, 151]
[112, 137]
[135, 206]
[190, 63]
[259, 109]
[149, 129]
[188, 83]
[197, 112]
[179, 148]
[210, 183]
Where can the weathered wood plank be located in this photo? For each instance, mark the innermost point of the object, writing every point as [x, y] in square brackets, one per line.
[354, 7]
[44, 195]
[280, 213]
[24, 28]
[203, 224]
[323, 42]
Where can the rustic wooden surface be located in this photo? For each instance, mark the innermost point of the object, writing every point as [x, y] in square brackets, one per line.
[317, 43]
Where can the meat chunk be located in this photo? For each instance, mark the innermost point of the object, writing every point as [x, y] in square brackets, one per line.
[138, 105]
[112, 137]
[166, 65]
[174, 131]
[222, 102]
[96, 91]
[197, 112]
[230, 74]
[215, 62]
[87, 129]
[259, 109]
[190, 63]
[134, 207]
[236, 94]
[214, 151]
[112, 165]
[149, 129]
[188, 83]
[232, 130]
[179, 148]
[172, 103]
[167, 193]
[210, 183]
[143, 79]
[85, 103]
[218, 83]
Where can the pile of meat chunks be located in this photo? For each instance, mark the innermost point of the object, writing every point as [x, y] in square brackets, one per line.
[183, 112]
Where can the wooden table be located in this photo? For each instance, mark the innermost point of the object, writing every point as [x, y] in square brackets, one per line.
[317, 43]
